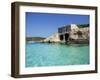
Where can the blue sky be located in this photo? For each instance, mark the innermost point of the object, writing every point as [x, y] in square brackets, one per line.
[45, 24]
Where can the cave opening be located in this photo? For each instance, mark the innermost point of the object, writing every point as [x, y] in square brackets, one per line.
[61, 37]
[66, 37]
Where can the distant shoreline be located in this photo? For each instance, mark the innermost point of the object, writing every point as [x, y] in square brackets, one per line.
[35, 39]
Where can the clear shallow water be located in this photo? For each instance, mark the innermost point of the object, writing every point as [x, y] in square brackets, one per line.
[45, 54]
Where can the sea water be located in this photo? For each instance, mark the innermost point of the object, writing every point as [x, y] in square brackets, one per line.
[56, 54]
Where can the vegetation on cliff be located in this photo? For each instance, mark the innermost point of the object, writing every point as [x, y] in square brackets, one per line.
[83, 25]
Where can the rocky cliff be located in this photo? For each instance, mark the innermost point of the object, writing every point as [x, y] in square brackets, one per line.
[75, 35]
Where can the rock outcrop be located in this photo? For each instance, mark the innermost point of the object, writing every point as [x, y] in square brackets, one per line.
[53, 38]
[70, 34]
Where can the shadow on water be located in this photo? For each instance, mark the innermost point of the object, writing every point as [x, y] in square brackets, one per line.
[64, 44]
[77, 45]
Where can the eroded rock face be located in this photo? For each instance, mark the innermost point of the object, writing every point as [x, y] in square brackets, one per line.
[79, 36]
[82, 33]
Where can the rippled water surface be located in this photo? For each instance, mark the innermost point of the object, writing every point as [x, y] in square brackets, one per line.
[54, 54]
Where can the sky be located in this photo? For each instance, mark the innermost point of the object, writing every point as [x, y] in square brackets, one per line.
[45, 24]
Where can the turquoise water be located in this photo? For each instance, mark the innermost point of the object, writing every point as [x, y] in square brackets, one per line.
[55, 54]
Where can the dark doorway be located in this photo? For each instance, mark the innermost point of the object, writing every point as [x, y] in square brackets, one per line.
[79, 34]
[66, 36]
[61, 37]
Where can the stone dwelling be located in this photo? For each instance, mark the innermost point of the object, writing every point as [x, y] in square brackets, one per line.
[70, 34]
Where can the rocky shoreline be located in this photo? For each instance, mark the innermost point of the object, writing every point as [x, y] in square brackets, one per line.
[73, 35]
